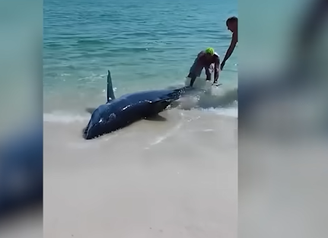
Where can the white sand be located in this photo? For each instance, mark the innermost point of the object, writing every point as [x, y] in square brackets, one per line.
[176, 178]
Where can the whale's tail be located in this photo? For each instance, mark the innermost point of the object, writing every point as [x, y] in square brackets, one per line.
[110, 90]
[177, 93]
[162, 103]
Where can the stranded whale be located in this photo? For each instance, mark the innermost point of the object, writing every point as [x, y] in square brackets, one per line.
[120, 112]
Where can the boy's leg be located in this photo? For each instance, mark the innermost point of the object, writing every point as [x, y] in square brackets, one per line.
[192, 80]
[193, 74]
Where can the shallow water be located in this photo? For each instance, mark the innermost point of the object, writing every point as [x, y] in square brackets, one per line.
[145, 45]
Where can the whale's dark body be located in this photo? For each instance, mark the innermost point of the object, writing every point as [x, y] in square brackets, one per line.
[123, 111]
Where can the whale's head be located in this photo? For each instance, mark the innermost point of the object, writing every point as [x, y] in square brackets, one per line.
[102, 121]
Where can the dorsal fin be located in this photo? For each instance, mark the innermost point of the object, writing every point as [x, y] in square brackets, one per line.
[110, 91]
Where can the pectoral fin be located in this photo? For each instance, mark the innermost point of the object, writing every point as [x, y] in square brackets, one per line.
[156, 117]
[90, 110]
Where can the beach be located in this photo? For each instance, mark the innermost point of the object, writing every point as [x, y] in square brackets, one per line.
[154, 179]
[171, 177]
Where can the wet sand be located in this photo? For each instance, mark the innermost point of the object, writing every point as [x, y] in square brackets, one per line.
[173, 178]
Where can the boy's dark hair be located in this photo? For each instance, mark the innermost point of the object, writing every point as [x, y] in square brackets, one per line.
[232, 20]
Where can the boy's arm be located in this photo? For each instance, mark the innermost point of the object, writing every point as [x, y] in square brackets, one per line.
[216, 69]
[231, 48]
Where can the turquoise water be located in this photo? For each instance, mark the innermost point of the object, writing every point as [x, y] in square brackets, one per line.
[146, 44]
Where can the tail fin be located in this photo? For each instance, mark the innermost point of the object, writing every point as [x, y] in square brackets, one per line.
[110, 91]
[182, 90]
[177, 93]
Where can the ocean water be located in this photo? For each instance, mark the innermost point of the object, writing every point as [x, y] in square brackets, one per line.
[146, 45]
